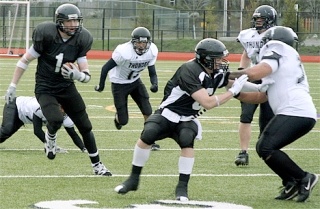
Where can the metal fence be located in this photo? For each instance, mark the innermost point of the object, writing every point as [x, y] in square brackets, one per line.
[112, 22]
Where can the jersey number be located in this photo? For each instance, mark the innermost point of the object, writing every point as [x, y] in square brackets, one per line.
[59, 58]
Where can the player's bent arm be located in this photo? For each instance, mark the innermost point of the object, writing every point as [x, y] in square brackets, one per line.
[103, 74]
[254, 73]
[209, 102]
[252, 97]
[23, 63]
[245, 61]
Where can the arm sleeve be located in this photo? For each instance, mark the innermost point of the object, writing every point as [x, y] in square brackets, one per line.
[105, 69]
[153, 74]
[37, 128]
[75, 137]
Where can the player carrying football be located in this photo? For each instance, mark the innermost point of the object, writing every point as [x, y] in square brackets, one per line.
[55, 44]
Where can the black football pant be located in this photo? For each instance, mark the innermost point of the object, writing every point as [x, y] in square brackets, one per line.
[74, 106]
[280, 132]
[10, 121]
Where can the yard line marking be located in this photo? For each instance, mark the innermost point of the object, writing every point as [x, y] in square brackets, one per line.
[143, 175]
[131, 149]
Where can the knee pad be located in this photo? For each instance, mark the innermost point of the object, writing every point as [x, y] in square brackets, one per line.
[151, 129]
[186, 138]
[262, 151]
[54, 126]
[85, 125]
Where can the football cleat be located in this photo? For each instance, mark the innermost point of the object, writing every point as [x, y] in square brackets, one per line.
[50, 147]
[131, 184]
[116, 123]
[101, 170]
[242, 158]
[155, 147]
[288, 192]
[305, 187]
[182, 191]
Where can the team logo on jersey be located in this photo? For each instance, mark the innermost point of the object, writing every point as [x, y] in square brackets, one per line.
[254, 44]
[138, 65]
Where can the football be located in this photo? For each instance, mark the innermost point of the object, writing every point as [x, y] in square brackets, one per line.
[69, 64]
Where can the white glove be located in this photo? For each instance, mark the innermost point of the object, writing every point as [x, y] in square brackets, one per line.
[71, 72]
[238, 84]
[11, 93]
[263, 87]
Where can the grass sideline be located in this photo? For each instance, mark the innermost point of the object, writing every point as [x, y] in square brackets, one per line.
[28, 177]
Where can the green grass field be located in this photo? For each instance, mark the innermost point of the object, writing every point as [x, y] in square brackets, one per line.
[27, 177]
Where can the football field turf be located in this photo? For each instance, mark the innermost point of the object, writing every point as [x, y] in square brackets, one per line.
[28, 178]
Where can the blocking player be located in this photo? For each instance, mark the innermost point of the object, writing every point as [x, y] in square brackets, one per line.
[291, 102]
[190, 90]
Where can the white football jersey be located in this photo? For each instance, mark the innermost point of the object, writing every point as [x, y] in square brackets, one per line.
[27, 106]
[250, 39]
[289, 95]
[130, 64]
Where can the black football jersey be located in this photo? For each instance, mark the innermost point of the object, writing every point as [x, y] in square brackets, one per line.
[54, 52]
[189, 78]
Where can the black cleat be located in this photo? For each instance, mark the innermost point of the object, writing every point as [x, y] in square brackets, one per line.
[129, 185]
[182, 191]
[117, 124]
[242, 158]
[305, 187]
[155, 147]
[288, 192]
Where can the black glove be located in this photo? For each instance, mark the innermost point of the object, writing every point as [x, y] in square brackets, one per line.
[154, 88]
[240, 68]
[99, 88]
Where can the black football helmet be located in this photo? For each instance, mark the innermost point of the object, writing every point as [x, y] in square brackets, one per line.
[268, 13]
[68, 12]
[210, 49]
[141, 35]
[279, 33]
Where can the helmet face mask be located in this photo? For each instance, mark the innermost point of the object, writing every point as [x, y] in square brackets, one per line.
[141, 40]
[264, 17]
[211, 53]
[66, 15]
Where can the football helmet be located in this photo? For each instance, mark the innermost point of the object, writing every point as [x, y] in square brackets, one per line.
[279, 33]
[268, 14]
[210, 49]
[141, 40]
[68, 12]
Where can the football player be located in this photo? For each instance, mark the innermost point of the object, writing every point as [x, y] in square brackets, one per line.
[290, 100]
[263, 18]
[26, 110]
[54, 44]
[187, 95]
[127, 62]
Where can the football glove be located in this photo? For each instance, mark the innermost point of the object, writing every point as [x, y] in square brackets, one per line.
[72, 72]
[263, 87]
[154, 88]
[11, 93]
[99, 88]
[238, 84]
